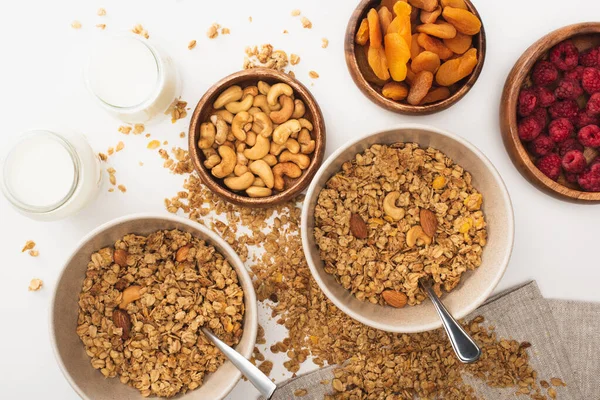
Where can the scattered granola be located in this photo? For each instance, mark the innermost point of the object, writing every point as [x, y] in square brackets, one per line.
[153, 144]
[30, 244]
[125, 130]
[110, 151]
[295, 13]
[324, 43]
[285, 32]
[313, 74]
[192, 44]
[102, 156]
[111, 175]
[138, 129]
[101, 26]
[34, 253]
[139, 30]
[294, 59]
[35, 285]
[101, 12]
[250, 19]
[182, 134]
[225, 31]
[306, 23]
[120, 146]
[300, 392]
[213, 31]
[76, 25]
[142, 305]
[110, 190]
[122, 188]
[177, 110]
[265, 57]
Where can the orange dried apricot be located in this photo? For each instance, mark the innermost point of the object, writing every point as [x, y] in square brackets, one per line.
[420, 87]
[435, 95]
[374, 29]
[395, 91]
[362, 35]
[385, 18]
[364, 67]
[434, 45]
[398, 54]
[464, 21]
[459, 43]
[429, 17]
[378, 62]
[426, 61]
[415, 48]
[427, 5]
[442, 30]
[390, 4]
[454, 70]
[401, 24]
[410, 76]
[454, 3]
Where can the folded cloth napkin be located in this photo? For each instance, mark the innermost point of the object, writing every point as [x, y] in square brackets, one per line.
[563, 334]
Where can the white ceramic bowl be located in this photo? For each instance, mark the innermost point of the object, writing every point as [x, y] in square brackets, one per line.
[475, 286]
[89, 383]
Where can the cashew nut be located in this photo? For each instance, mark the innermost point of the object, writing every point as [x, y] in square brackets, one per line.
[290, 144]
[253, 90]
[299, 109]
[256, 191]
[241, 159]
[262, 124]
[416, 236]
[263, 87]
[229, 144]
[227, 164]
[238, 106]
[254, 110]
[259, 182]
[306, 124]
[233, 93]
[251, 139]
[307, 145]
[230, 137]
[240, 170]
[222, 128]
[212, 158]
[283, 131]
[242, 182]
[240, 146]
[226, 115]
[207, 135]
[301, 160]
[287, 109]
[238, 126]
[288, 169]
[260, 101]
[259, 150]
[389, 206]
[270, 159]
[264, 172]
[277, 90]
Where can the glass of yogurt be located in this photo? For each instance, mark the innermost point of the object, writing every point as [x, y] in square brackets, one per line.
[131, 78]
[48, 176]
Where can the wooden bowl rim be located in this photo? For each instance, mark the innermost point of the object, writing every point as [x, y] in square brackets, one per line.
[402, 108]
[318, 133]
[508, 112]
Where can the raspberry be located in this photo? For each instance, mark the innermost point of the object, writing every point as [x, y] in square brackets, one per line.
[565, 55]
[529, 128]
[568, 145]
[591, 80]
[589, 179]
[541, 145]
[564, 109]
[541, 115]
[574, 162]
[589, 58]
[576, 73]
[544, 73]
[545, 97]
[589, 136]
[570, 177]
[593, 104]
[583, 118]
[550, 166]
[594, 161]
[527, 102]
[568, 89]
[560, 130]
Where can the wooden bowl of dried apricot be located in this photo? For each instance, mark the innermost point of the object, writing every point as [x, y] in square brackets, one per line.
[415, 56]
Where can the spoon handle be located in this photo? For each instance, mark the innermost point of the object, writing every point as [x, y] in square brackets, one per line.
[464, 346]
[260, 381]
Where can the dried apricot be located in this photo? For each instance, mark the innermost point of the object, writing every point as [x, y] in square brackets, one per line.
[435, 95]
[410, 76]
[364, 67]
[378, 62]
[427, 5]
[415, 49]
[454, 70]
[390, 4]
[401, 24]
[362, 35]
[385, 18]
[398, 54]
[395, 91]
[429, 17]
[420, 87]
[454, 3]
[426, 61]
[442, 30]
[464, 21]
[434, 45]
[459, 43]
[374, 29]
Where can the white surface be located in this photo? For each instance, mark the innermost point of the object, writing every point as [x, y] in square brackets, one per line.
[41, 81]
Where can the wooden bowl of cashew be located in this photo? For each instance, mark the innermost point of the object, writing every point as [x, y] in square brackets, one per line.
[257, 138]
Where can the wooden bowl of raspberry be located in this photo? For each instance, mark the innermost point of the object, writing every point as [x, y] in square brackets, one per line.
[550, 113]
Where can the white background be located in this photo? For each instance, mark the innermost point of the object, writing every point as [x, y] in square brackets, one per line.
[40, 85]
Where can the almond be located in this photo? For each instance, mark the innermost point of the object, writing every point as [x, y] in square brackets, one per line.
[429, 222]
[395, 299]
[358, 227]
[121, 257]
[121, 320]
[132, 293]
[182, 253]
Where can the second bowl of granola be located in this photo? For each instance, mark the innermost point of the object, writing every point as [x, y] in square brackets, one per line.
[399, 205]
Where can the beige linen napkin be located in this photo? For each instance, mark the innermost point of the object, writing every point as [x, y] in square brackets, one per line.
[564, 337]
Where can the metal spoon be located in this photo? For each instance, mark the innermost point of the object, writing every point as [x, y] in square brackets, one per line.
[260, 381]
[464, 346]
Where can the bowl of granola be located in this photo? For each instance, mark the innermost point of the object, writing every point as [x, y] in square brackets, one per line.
[399, 205]
[130, 304]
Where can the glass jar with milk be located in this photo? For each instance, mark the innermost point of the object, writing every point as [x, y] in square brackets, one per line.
[131, 78]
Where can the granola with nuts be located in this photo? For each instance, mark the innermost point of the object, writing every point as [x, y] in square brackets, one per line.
[142, 305]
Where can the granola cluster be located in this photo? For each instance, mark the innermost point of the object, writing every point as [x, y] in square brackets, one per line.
[150, 336]
[387, 258]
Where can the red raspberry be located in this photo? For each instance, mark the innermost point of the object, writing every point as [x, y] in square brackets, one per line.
[541, 115]
[544, 73]
[570, 177]
[593, 104]
[589, 179]
[583, 118]
[560, 130]
[574, 162]
[589, 58]
[568, 89]
[568, 145]
[565, 55]
[564, 109]
[594, 161]
[541, 145]
[550, 166]
[591, 80]
[576, 73]
[545, 97]
[589, 136]
[527, 102]
[529, 128]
